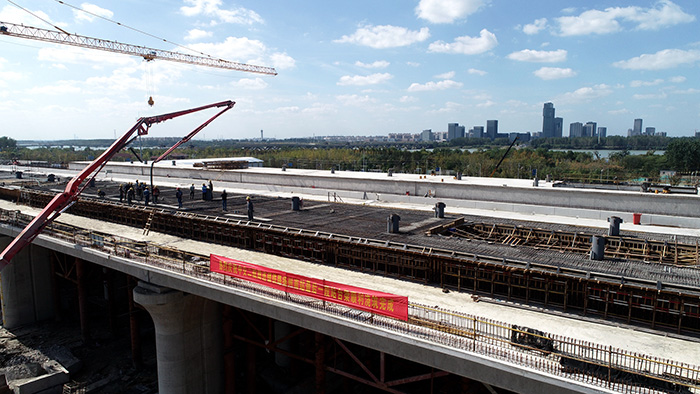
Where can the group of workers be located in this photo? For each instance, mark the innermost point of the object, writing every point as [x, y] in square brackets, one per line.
[140, 191]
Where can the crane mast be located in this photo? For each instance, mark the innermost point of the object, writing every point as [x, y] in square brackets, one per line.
[64, 38]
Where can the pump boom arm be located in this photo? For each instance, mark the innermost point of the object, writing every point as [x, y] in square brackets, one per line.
[73, 189]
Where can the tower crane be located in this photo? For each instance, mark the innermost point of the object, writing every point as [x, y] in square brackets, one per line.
[70, 195]
[62, 37]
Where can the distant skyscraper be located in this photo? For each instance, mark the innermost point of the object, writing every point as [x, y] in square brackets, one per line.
[602, 132]
[576, 129]
[548, 120]
[478, 132]
[491, 129]
[454, 130]
[650, 131]
[558, 127]
[427, 135]
[589, 129]
[637, 127]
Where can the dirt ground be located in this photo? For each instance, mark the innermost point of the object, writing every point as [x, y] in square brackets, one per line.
[101, 364]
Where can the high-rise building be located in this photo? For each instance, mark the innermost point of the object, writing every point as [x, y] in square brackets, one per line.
[477, 132]
[492, 129]
[575, 129]
[427, 135]
[637, 130]
[602, 132]
[548, 120]
[558, 127]
[650, 131]
[589, 129]
[454, 130]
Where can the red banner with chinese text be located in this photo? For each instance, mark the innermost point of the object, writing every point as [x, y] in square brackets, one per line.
[355, 297]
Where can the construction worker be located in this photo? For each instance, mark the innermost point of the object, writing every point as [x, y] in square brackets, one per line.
[121, 192]
[156, 194]
[100, 193]
[146, 195]
[249, 207]
[130, 195]
[192, 192]
[178, 195]
[224, 197]
[204, 192]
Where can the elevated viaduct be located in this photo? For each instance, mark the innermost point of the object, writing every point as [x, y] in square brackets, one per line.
[475, 331]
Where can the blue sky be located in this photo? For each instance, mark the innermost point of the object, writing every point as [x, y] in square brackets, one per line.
[357, 68]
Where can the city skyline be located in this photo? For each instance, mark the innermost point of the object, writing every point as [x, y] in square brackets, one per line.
[358, 68]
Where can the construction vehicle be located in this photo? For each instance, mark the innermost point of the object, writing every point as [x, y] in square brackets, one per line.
[75, 186]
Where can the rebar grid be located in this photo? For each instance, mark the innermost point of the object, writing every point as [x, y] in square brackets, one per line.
[583, 361]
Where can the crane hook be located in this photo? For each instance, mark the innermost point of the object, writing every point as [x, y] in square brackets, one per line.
[150, 101]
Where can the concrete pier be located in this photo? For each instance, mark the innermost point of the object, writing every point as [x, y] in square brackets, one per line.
[25, 287]
[189, 340]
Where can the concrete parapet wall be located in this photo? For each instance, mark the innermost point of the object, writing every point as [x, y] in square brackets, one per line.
[616, 202]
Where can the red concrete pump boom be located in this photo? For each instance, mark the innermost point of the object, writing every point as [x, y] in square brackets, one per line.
[64, 199]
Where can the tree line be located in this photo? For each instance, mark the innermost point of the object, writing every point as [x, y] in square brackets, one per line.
[681, 154]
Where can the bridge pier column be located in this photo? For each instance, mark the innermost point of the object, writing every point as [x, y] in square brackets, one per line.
[189, 349]
[25, 287]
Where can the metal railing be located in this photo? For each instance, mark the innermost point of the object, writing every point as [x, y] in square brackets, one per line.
[605, 366]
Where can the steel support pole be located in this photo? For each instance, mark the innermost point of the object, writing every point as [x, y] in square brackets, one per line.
[134, 327]
[320, 363]
[82, 298]
[229, 355]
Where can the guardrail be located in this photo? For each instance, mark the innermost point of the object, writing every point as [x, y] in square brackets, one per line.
[604, 366]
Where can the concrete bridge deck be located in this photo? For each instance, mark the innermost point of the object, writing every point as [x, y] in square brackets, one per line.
[464, 363]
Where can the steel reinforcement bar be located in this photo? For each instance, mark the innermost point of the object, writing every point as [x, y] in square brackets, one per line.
[661, 306]
[604, 366]
[620, 247]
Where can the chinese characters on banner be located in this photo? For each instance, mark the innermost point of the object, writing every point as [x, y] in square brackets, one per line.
[355, 297]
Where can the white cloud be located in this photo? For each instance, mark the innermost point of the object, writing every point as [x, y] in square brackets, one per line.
[6, 76]
[667, 58]
[353, 99]
[211, 8]
[447, 11]
[447, 75]
[20, 17]
[637, 84]
[385, 36]
[282, 61]
[530, 55]
[59, 89]
[486, 104]
[549, 73]
[245, 50]
[408, 99]
[413, 64]
[665, 13]
[197, 34]
[467, 45]
[587, 93]
[687, 91]
[651, 96]
[535, 27]
[91, 9]
[432, 86]
[73, 55]
[250, 83]
[376, 64]
[477, 72]
[677, 79]
[622, 111]
[361, 80]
